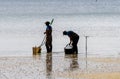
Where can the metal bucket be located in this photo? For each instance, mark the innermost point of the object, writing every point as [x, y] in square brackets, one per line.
[36, 50]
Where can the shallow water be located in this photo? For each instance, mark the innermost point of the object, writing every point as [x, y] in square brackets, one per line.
[59, 66]
[18, 34]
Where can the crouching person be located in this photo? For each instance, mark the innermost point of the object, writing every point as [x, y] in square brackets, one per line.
[74, 38]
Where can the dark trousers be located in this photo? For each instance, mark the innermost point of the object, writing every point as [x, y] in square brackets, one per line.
[49, 44]
[74, 44]
[49, 47]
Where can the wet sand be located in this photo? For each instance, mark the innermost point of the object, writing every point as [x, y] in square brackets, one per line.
[59, 66]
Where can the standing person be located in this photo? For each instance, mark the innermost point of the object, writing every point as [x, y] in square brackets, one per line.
[74, 38]
[48, 33]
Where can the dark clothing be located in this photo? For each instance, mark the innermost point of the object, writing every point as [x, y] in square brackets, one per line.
[74, 44]
[48, 31]
[72, 35]
[74, 38]
[48, 39]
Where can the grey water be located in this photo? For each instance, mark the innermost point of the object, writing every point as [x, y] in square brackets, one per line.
[22, 25]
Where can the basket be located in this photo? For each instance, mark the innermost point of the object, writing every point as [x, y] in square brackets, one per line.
[36, 50]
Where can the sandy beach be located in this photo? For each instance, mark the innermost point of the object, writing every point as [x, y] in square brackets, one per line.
[59, 66]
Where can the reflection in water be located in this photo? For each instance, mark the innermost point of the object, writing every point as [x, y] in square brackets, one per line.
[36, 56]
[86, 64]
[73, 61]
[49, 65]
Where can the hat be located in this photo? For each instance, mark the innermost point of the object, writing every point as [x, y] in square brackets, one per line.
[64, 32]
[47, 22]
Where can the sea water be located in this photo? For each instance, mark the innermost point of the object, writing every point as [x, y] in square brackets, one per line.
[22, 25]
